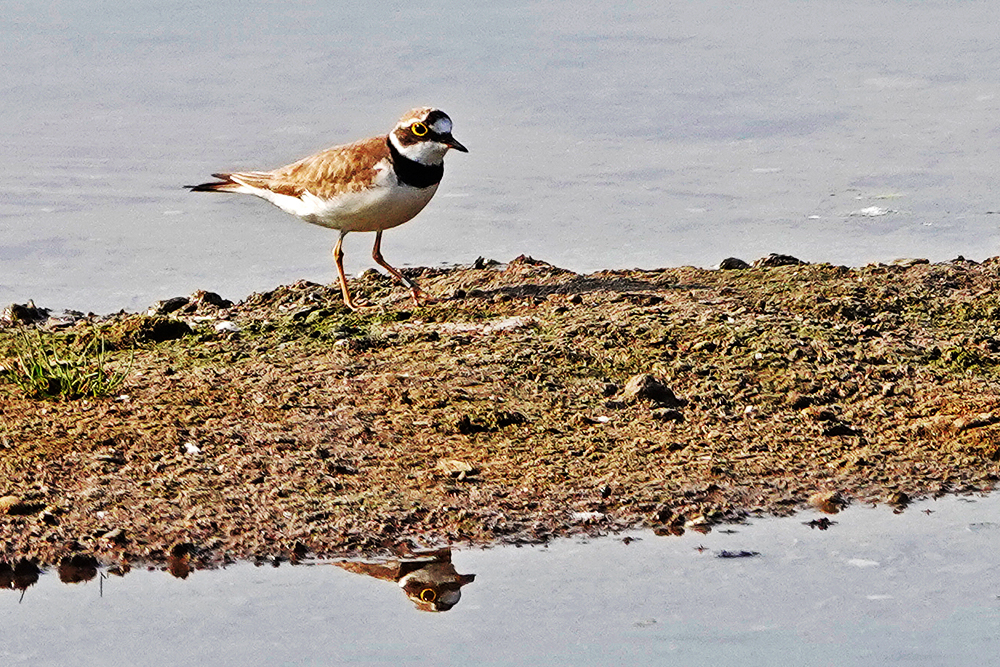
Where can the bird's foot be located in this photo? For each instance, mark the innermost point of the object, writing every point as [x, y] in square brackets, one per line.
[421, 298]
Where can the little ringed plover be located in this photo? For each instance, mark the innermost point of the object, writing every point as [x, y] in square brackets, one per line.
[367, 186]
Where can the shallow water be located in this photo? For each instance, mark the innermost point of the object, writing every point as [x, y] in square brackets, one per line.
[601, 135]
[876, 588]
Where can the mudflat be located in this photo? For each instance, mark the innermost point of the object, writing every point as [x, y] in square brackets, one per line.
[528, 402]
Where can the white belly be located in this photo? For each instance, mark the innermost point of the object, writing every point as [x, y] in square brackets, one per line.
[381, 207]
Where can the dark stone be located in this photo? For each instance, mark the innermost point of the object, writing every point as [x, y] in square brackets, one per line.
[668, 415]
[149, 329]
[733, 264]
[211, 299]
[25, 314]
[774, 259]
[170, 305]
[645, 386]
[504, 419]
[840, 430]
[798, 401]
[482, 263]
[466, 426]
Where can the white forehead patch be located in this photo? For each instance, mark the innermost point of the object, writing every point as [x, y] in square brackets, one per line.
[441, 126]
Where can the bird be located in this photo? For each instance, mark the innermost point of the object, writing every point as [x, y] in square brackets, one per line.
[369, 185]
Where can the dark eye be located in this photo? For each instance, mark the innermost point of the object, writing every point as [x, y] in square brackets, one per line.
[419, 129]
[428, 594]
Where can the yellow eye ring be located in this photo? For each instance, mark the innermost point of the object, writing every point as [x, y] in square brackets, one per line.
[428, 594]
[419, 129]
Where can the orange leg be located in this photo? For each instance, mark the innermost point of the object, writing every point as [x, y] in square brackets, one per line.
[338, 258]
[377, 256]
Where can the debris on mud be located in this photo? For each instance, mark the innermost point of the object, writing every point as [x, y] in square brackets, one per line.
[528, 402]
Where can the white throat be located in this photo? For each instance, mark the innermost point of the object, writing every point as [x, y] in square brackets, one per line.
[424, 152]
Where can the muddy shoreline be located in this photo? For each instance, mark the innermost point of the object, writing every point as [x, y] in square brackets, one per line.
[529, 402]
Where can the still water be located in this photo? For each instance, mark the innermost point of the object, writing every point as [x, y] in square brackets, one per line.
[875, 588]
[602, 135]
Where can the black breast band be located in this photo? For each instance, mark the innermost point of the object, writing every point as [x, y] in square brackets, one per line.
[412, 173]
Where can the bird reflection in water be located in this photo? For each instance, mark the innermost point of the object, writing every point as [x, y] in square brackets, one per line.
[77, 568]
[179, 561]
[428, 578]
[18, 576]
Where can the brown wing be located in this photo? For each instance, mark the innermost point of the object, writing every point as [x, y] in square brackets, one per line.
[348, 168]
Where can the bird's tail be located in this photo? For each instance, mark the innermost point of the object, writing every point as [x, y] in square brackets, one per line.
[224, 184]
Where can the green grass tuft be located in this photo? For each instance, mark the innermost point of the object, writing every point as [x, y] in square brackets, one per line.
[45, 372]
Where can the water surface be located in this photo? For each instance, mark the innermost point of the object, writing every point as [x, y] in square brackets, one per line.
[875, 588]
[602, 135]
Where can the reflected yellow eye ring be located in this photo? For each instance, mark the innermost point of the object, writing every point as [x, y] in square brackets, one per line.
[428, 594]
[418, 129]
